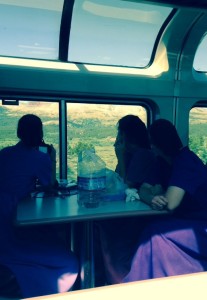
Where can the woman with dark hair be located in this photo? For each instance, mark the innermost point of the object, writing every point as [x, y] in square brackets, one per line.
[133, 152]
[135, 160]
[165, 150]
[30, 131]
[37, 256]
[176, 245]
[22, 164]
[171, 144]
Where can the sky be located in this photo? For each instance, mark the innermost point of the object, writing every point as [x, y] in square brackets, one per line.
[103, 31]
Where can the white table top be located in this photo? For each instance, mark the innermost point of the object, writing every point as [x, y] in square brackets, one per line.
[58, 210]
[190, 287]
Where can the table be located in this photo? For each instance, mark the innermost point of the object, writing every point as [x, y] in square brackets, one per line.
[56, 209]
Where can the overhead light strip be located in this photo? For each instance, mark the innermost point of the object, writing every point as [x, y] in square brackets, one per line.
[38, 64]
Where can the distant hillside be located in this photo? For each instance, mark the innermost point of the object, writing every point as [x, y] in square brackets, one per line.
[198, 115]
[77, 111]
[86, 120]
[107, 114]
[90, 125]
[85, 111]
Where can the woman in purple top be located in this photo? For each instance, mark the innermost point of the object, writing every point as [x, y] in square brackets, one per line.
[178, 244]
[37, 256]
[135, 158]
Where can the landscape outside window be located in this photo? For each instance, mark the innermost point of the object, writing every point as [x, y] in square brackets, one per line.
[88, 125]
[94, 125]
[198, 132]
[47, 111]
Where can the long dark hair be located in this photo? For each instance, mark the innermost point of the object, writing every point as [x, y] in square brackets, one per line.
[164, 136]
[135, 131]
[29, 130]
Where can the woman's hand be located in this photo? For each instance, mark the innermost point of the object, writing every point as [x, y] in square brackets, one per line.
[159, 202]
[170, 201]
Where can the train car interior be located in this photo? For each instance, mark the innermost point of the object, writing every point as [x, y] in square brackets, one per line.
[81, 65]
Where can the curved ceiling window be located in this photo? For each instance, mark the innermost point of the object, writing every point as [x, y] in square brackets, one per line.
[118, 32]
[200, 59]
[30, 28]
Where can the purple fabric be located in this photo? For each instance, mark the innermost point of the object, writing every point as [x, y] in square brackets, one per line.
[118, 241]
[170, 248]
[37, 255]
[177, 246]
[190, 174]
[117, 238]
[20, 167]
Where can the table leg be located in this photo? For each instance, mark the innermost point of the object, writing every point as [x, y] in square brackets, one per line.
[83, 245]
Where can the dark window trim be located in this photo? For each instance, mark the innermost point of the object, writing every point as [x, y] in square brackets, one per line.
[65, 28]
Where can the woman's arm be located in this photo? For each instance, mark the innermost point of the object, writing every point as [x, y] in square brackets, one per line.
[171, 200]
[147, 192]
[174, 196]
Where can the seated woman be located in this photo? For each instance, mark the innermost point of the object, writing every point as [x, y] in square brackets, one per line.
[22, 164]
[132, 148]
[37, 256]
[176, 245]
[135, 159]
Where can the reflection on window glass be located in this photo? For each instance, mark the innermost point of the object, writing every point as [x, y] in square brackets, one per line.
[114, 32]
[49, 114]
[30, 28]
[94, 125]
[198, 132]
[200, 59]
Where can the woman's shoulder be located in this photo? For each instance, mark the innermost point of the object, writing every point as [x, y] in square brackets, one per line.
[187, 156]
[187, 163]
[186, 151]
[30, 153]
[7, 149]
